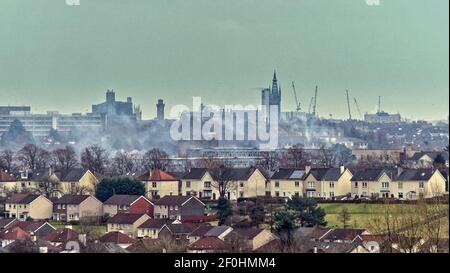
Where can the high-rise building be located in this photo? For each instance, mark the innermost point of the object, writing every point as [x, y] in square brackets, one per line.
[160, 110]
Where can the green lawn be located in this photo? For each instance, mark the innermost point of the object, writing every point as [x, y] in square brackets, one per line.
[98, 229]
[361, 214]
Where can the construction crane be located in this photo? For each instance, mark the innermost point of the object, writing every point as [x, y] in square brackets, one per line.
[310, 105]
[297, 103]
[357, 108]
[379, 104]
[348, 105]
[315, 102]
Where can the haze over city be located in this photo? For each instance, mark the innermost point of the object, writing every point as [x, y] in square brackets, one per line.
[58, 57]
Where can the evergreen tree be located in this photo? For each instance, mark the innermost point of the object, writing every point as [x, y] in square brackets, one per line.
[119, 185]
[224, 210]
[16, 136]
[307, 212]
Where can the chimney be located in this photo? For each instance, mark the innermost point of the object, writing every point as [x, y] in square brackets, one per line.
[342, 169]
[399, 171]
[315, 249]
[307, 168]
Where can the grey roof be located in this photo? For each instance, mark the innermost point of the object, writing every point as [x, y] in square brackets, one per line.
[155, 223]
[121, 199]
[415, 175]
[373, 174]
[326, 174]
[21, 198]
[72, 175]
[432, 155]
[174, 200]
[217, 231]
[181, 228]
[125, 218]
[195, 173]
[71, 199]
[289, 174]
[5, 222]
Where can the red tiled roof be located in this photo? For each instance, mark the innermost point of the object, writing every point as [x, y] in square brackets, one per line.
[116, 238]
[15, 233]
[21, 198]
[157, 175]
[198, 219]
[7, 177]
[208, 243]
[201, 230]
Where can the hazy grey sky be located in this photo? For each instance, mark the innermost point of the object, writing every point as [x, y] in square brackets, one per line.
[57, 57]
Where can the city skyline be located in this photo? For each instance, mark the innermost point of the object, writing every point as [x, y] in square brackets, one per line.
[65, 58]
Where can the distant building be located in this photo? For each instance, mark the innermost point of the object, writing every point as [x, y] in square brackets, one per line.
[160, 110]
[111, 107]
[382, 117]
[272, 95]
[40, 125]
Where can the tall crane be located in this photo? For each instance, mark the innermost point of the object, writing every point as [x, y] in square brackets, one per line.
[348, 105]
[297, 103]
[379, 104]
[315, 102]
[357, 108]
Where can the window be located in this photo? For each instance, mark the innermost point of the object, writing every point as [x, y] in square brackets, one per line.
[207, 184]
[356, 184]
[400, 185]
[400, 195]
[241, 194]
[331, 184]
[297, 184]
[385, 184]
[421, 186]
[297, 193]
[188, 184]
[154, 184]
[241, 184]
[277, 184]
[311, 184]
[364, 185]
[277, 194]
[331, 194]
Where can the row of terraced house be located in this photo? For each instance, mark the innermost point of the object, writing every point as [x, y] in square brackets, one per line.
[251, 182]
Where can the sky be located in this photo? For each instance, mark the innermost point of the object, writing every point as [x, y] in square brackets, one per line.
[59, 57]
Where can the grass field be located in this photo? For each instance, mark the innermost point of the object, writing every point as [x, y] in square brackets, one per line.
[98, 229]
[361, 214]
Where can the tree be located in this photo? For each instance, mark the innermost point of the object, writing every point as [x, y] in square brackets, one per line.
[341, 155]
[95, 158]
[223, 180]
[284, 226]
[118, 185]
[295, 157]
[439, 161]
[155, 159]
[16, 136]
[344, 216]
[306, 210]
[49, 188]
[224, 210]
[123, 163]
[65, 158]
[257, 212]
[7, 160]
[270, 161]
[33, 157]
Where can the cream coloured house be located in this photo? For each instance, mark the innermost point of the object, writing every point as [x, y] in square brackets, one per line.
[126, 223]
[374, 183]
[8, 183]
[159, 184]
[71, 207]
[415, 183]
[242, 182]
[327, 182]
[78, 181]
[23, 206]
[287, 183]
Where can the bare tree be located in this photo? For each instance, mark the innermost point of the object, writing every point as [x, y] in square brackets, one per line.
[270, 161]
[65, 158]
[123, 163]
[7, 160]
[33, 157]
[344, 216]
[223, 180]
[49, 188]
[327, 156]
[95, 158]
[155, 159]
